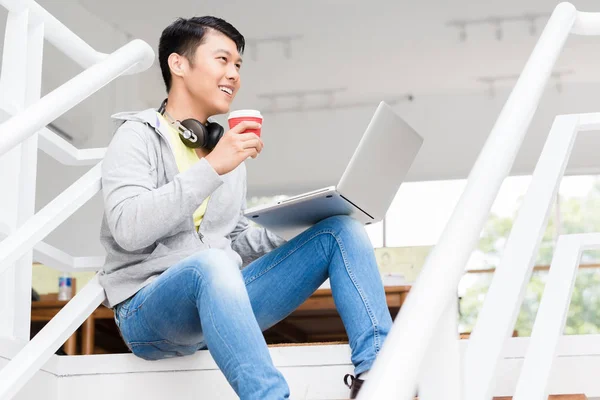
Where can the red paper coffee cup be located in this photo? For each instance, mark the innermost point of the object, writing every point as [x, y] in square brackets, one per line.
[235, 117]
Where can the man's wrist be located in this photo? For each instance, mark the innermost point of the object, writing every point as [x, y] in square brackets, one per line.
[214, 165]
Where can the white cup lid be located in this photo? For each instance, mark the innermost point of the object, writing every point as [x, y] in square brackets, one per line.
[245, 113]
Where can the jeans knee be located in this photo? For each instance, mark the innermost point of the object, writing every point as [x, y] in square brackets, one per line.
[342, 223]
[218, 270]
[345, 231]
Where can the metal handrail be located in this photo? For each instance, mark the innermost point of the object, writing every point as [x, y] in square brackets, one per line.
[35, 353]
[63, 38]
[551, 315]
[100, 69]
[396, 370]
[48, 218]
[54, 104]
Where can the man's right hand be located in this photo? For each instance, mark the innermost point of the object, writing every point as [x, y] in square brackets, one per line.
[235, 147]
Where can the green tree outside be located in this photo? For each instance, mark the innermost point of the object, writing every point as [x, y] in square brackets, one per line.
[578, 215]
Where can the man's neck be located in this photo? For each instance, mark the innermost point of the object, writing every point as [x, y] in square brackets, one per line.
[181, 107]
[201, 153]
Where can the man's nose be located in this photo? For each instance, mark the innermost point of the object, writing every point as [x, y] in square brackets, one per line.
[233, 74]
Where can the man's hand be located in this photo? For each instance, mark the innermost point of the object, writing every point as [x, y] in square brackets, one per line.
[235, 147]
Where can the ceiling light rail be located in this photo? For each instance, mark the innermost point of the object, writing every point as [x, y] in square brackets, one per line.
[284, 40]
[302, 106]
[497, 23]
[491, 81]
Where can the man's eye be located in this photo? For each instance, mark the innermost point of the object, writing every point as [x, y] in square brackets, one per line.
[223, 58]
[238, 66]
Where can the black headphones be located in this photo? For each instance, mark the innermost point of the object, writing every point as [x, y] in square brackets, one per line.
[194, 133]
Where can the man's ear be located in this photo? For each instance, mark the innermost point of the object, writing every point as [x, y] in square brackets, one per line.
[177, 64]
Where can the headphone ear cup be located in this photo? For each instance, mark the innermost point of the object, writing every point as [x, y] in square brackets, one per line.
[214, 133]
[198, 129]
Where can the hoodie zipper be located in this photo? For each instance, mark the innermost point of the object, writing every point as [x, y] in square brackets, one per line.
[200, 235]
[168, 141]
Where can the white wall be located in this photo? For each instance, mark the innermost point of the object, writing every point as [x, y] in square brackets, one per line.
[309, 150]
[289, 164]
[78, 235]
[454, 125]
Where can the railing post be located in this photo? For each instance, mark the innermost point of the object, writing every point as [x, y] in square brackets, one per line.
[551, 316]
[395, 371]
[13, 87]
[503, 300]
[28, 179]
[441, 372]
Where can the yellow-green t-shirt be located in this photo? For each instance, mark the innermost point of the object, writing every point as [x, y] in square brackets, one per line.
[185, 157]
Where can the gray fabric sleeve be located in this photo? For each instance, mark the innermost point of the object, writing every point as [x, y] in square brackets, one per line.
[138, 213]
[252, 242]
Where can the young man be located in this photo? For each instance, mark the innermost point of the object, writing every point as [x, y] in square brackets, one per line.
[176, 237]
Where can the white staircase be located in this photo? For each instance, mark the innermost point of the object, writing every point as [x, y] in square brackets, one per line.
[423, 348]
[313, 372]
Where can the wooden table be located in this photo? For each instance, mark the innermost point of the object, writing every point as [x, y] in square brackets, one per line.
[322, 300]
[316, 320]
[45, 309]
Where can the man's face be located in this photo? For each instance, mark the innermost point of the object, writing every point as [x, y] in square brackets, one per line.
[214, 78]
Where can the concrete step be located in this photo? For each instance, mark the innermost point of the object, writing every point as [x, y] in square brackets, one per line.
[555, 397]
[313, 372]
[551, 397]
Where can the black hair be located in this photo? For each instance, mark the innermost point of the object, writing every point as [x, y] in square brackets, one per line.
[185, 35]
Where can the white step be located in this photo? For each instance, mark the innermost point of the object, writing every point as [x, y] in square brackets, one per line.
[313, 372]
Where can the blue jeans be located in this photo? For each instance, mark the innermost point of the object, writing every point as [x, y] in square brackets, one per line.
[206, 301]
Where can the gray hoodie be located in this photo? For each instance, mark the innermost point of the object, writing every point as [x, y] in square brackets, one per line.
[148, 206]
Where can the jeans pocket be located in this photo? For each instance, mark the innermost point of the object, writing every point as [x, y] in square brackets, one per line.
[121, 311]
[161, 349]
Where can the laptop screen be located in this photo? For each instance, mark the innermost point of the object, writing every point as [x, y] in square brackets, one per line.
[380, 163]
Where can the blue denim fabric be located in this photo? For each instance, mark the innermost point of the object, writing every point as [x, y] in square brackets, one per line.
[206, 301]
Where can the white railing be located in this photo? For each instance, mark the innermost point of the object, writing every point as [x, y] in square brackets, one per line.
[551, 315]
[400, 363]
[35, 353]
[427, 324]
[497, 319]
[49, 218]
[61, 261]
[65, 40]
[65, 97]
[65, 153]
[58, 259]
[505, 295]
[27, 26]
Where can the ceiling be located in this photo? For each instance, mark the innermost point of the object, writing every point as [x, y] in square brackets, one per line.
[374, 51]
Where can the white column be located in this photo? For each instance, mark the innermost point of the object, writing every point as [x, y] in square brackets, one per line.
[27, 182]
[13, 81]
[395, 371]
[503, 300]
[441, 375]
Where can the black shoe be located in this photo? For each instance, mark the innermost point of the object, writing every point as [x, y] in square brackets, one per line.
[354, 385]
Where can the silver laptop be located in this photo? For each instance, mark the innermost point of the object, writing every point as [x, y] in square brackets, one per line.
[366, 189]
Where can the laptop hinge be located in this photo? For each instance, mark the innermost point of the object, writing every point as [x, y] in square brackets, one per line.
[369, 215]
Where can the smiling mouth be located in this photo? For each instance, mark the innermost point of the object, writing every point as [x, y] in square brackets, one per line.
[226, 90]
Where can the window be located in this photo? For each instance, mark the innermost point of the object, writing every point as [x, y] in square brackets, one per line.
[421, 210]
